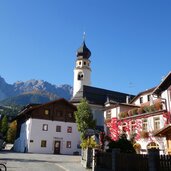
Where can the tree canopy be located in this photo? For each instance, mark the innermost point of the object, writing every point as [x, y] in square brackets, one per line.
[84, 118]
[11, 133]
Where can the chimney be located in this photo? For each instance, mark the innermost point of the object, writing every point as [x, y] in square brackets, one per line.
[127, 99]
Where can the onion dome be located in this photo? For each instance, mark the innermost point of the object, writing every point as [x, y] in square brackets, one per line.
[83, 51]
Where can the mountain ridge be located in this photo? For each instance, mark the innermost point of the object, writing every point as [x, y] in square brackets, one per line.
[40, 88]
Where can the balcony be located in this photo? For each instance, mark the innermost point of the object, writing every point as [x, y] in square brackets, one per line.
[159, 107]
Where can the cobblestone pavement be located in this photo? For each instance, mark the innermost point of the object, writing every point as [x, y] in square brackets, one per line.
[40, 162]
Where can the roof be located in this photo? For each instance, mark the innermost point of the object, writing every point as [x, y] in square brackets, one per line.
[32, 107]
[164, 131]
[143, 93]
[83, 51]
[114, 105]
[99, 96]
[163, 85]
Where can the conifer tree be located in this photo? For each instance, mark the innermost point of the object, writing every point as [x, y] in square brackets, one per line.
[4, 126]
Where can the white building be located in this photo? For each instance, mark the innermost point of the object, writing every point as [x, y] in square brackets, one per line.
[48, 128]
[143, 117]
[82, 88]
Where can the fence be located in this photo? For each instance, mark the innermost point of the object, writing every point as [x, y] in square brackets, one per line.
[116, 161]
[165, 162]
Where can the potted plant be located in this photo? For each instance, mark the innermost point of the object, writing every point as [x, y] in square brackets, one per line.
[135, 111]
[158, 106]
[129, 112]
[137, 147]
[140, 110]
[144, 134]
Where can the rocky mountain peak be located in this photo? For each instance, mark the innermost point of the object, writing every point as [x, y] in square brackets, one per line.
[33, 85]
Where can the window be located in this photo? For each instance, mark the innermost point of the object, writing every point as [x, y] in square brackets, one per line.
[60, 113]
[69, 129]
[45, 127]
[68, 144]
[148, 98]
[84, 63]
[141, 99]
[70, 115]
[152, 145]
[43, 143]
[133, 125]
[46, 112]
[156, 123]
[31, 141]
[108, 114]
[58, 128]
[80, 76]
[79, 63]
[124, 127]
[144, 124]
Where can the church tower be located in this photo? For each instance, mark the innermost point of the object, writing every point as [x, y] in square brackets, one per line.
[82, 71]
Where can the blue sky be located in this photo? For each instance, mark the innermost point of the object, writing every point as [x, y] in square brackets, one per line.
[130, 41]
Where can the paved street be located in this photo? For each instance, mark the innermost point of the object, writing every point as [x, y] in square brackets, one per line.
[40, 162]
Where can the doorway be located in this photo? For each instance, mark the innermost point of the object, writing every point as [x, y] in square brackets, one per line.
[57, 145]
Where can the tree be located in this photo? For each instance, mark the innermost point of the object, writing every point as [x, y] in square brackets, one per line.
[84, 118]
[4, 126]
[12, 132]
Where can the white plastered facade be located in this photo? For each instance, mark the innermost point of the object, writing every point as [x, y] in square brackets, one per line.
[31, 135]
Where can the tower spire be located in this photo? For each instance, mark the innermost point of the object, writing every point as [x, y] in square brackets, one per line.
[84, 36]
[82, 70]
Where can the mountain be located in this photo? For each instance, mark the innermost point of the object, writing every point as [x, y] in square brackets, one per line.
[64, 91]
[32, 91]
[6, 89]
[31, 97]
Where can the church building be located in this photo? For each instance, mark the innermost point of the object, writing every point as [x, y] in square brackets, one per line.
[82, 88]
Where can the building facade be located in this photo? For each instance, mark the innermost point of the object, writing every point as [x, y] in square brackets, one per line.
[142, 118]
[82, 88]
[48, 128]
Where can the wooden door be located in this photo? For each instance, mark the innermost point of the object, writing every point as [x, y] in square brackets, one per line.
[57, 145]
[169, 146]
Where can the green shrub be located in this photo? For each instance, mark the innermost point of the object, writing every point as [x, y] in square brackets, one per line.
[123, 144]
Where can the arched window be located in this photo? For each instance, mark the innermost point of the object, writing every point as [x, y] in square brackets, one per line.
[80, 76]
[152, 145]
